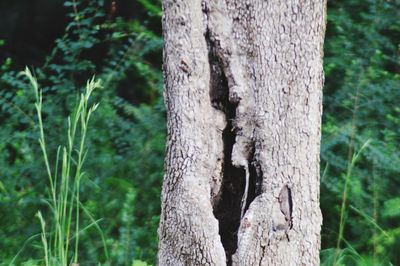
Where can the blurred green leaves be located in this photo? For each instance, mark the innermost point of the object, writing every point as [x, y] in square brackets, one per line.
[360, 102]
[125, 143]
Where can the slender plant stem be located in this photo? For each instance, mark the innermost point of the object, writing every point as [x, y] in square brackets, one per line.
[350, 158]
[64, 188]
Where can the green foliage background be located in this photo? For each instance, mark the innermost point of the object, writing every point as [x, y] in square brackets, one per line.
[127, 135]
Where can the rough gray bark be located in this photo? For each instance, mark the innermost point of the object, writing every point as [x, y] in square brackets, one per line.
[243, 90]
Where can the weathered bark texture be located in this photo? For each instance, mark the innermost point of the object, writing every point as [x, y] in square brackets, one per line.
[243, 90]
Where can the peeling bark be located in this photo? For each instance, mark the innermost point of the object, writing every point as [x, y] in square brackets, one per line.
[243, 89]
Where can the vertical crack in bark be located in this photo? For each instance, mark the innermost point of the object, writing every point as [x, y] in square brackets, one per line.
[227, 209]
[255, 179]
[219, 91]
[286, 206]
[240, 184]
[232, 203]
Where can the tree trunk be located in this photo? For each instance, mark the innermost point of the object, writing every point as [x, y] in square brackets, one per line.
[243, 90]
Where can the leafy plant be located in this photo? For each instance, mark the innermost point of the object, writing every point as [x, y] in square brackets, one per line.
[361, 88]
[125, 148]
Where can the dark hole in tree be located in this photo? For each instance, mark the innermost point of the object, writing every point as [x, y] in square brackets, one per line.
[228, 209]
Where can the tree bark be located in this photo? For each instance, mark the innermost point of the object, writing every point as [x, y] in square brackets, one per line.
[243, 90]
